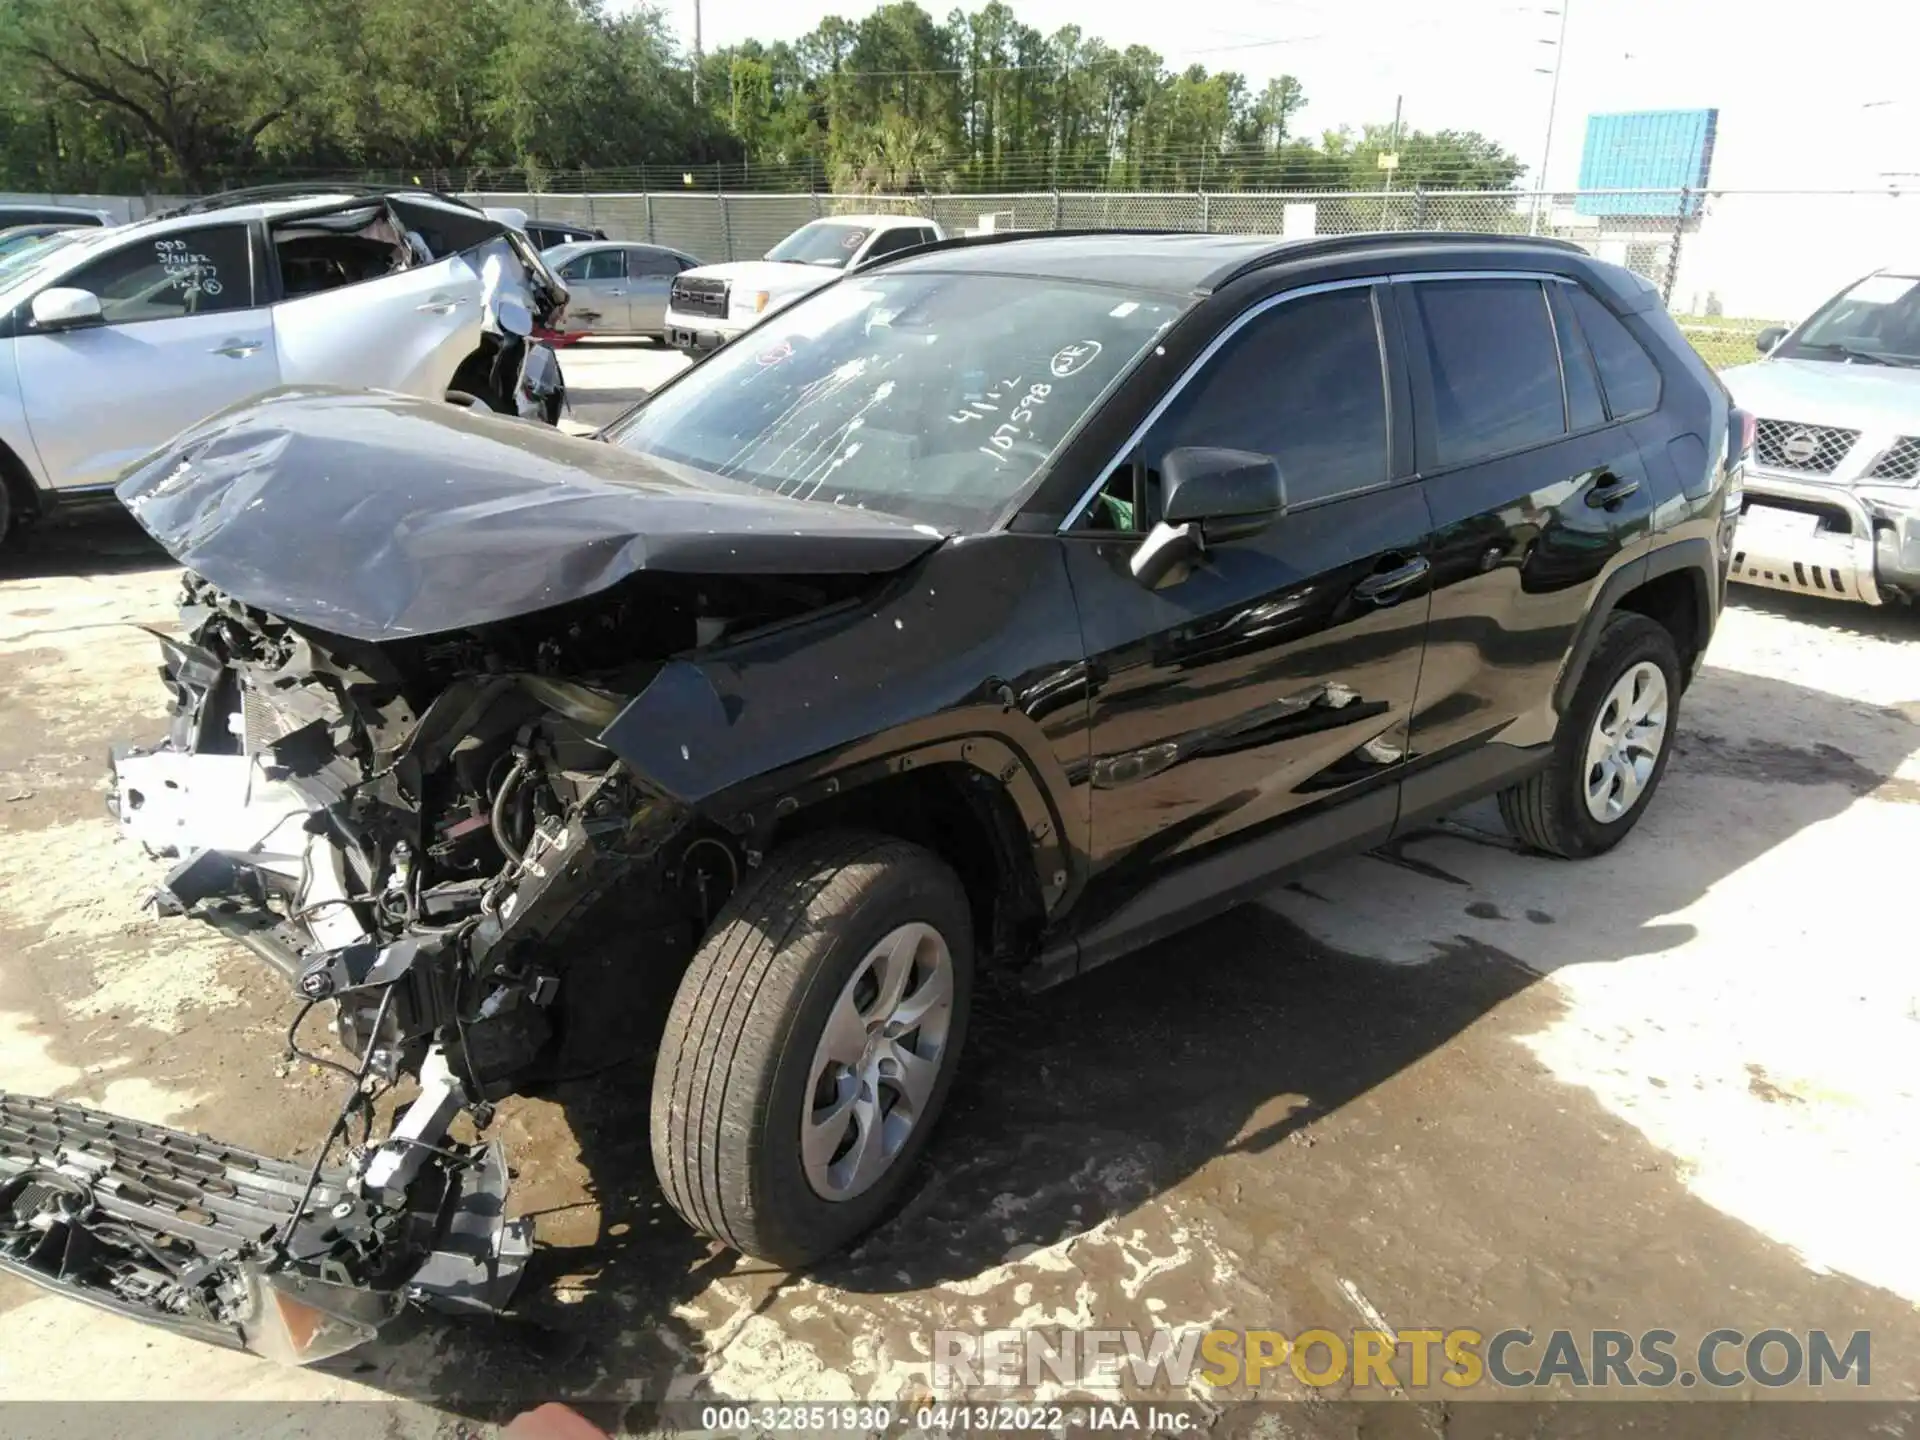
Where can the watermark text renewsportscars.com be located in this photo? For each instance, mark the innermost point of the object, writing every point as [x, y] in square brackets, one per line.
[1163, 1360]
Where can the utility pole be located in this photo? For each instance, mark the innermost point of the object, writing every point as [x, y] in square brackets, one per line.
[696, 52]
[1553, 102]
[1393, 149]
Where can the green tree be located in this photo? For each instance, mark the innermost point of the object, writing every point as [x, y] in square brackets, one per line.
[205, 83]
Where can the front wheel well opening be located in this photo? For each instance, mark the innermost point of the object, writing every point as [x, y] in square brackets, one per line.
[1676, 602]
[969, 820]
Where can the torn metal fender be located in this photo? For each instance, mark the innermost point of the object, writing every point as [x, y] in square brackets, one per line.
[978, 646]
[437, 518]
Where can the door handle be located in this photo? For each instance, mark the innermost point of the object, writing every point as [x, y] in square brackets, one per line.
[1610, 491]
[616, 292]
[236, 349]
[441, 304]
[1385, 586]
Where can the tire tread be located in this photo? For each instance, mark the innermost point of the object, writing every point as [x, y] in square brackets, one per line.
[707, 1107]
[1538, 810]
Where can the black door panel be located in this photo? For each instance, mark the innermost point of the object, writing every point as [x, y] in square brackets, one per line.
[1521, 540]
[1264, 685]
[1518, 552]
[1272, 680]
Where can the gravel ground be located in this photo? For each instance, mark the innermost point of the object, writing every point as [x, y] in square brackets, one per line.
[1439, 1085]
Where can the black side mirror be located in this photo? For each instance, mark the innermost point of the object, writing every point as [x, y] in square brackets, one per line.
[1211, 496]
[1768, 338]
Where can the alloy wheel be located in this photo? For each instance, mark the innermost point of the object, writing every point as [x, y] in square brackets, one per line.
[1625, 743]
[877, 1061]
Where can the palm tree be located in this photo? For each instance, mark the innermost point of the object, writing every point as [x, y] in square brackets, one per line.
[898, 155]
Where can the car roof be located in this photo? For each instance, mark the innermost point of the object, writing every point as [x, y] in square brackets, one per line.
[73, 214]
[1179, 262]
[567, 249]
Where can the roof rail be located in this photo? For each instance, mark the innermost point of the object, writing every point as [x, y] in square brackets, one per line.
[294, 190]
[1281, 248]
[1320, 245]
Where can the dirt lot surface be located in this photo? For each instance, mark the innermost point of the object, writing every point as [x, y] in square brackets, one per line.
[1437, 1086]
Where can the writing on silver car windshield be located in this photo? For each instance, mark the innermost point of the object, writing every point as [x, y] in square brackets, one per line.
[921, 394]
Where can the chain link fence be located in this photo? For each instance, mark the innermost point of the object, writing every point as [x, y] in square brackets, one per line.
[1729, 263]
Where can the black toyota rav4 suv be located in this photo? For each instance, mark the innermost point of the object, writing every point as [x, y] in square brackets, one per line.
[997, 610]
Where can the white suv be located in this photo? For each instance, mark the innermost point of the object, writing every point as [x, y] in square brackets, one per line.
[113, 343]
[712, 304]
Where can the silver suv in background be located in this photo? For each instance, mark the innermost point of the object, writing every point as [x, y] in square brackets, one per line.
[1833, 485]
[113, 343]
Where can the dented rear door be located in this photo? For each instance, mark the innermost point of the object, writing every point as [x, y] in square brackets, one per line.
[407, 331]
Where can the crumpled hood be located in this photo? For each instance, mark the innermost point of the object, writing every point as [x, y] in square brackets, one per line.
[778, 277]
[1823, 392]
[379, 516]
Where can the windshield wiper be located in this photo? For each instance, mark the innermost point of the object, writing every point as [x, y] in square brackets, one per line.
[1854, 352]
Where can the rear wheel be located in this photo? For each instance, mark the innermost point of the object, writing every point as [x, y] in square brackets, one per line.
[1611, 749]
[811, 1045]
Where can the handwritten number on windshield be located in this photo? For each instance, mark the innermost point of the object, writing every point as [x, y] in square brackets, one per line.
[1014, 428]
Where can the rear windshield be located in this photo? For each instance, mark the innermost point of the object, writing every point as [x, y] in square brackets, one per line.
[930, 396]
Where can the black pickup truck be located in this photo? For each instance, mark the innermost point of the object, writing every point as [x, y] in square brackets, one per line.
[998, 609]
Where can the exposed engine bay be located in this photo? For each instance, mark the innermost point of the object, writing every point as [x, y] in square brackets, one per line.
[409, 832]
[453, 773]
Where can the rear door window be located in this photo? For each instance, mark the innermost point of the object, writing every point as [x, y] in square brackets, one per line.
[651, 262]
[1627, 372]
[1585, 409]
[1493, 367]
[184, 272]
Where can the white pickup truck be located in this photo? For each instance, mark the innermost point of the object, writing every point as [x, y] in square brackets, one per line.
[710, 305]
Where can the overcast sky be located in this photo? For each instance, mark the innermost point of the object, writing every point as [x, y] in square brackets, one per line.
[1796, 86]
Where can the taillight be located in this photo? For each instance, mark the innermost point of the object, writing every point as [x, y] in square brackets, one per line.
[1742, 426]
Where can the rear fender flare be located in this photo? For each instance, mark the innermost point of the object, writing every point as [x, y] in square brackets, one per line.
[1695, 554]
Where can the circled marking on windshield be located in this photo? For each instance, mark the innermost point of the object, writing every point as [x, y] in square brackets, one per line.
[1072, 359]
[774, 354]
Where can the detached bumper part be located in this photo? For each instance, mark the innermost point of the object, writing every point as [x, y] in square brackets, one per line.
[211, 1241]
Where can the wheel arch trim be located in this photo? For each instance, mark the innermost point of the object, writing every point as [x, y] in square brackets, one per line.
[975, 738]
[1692, 556]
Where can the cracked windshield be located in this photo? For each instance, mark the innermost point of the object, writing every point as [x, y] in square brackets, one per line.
[930, 396]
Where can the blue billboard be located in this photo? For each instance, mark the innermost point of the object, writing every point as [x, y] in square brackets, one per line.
[1663, 150]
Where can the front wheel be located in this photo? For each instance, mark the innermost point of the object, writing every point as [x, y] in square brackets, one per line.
[811, 1045]
[1611, 749]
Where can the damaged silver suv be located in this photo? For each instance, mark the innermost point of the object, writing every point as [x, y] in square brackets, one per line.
[997, 609]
